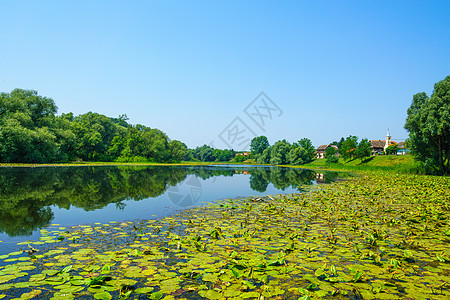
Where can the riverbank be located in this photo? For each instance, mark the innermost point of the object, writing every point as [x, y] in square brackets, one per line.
[404, 164]
[377, 236]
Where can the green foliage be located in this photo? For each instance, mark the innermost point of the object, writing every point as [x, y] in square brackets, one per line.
[279, 153]
[224, 155]
[338, 144]
[363, 149]
[264, 158]
[204, 153]
[392, 149]
[30, 131]
[94, 135]
[330, 154]
[297, 156]
[259, 144]
[306, 144]
[177, 150]
[428, 124]
[239, 158]
[348, 147]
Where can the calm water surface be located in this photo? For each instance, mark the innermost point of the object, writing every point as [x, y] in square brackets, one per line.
[36, 198]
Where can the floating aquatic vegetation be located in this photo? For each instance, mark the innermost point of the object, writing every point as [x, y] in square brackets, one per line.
[376, 237]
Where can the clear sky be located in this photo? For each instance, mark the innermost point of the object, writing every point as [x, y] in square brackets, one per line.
[190, 68]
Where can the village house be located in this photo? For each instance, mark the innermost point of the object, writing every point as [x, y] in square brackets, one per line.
[320, 152]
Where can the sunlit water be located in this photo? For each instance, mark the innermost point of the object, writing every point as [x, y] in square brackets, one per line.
[35, 198]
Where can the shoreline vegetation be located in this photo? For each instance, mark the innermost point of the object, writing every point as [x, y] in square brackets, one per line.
[404, 164]
[377, 236]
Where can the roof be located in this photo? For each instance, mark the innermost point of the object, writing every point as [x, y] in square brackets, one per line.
[322, 147]
[377, 143]
[401, 145]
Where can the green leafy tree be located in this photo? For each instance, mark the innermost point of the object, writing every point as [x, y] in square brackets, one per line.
[428, 124]
[29, 129]
[330, 155]
[239, 158]
[224, 155]
[264, 158]
[363, 150]
[258, 145]
[306, 144]
[279, 152]
[348, 147]
[392, 149]
[338, 144]
[204, 153]
[298, 156]
[177, 150]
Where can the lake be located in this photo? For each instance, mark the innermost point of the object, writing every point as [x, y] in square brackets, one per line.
[35, 198]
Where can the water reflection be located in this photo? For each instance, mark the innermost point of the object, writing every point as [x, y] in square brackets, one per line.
[27, 194]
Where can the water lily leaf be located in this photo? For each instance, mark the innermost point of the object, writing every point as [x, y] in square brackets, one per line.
[212, 294]
[358, 275]
[156, 295]
[103, 296]
[144, 290]
[67, 269]
[30, 295]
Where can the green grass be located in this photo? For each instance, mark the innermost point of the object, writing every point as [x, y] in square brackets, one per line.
[392, 163]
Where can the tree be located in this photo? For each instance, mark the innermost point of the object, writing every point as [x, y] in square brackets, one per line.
[338, 144]
[279, 152]
[204, 153]
[330, 154]
[392, 149]
[298, 156]
[239, 158]
[177, 150]
[264, 158]
[306, 144]
[29, 129]
[259, 144]
[428, 124]
[363, 149]
[348, 147]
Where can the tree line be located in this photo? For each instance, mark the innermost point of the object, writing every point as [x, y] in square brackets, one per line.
[31, 132]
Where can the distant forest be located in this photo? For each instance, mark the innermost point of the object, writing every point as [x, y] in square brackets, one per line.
[31, 132]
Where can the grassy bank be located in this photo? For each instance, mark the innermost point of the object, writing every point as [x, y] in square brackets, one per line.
[377, 236]
[391, 163]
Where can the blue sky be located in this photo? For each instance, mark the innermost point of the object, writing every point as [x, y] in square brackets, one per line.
[190, 68]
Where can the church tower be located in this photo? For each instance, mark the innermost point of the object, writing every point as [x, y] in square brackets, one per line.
[388, 140]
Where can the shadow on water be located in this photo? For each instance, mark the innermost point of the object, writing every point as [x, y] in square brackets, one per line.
[27, 195]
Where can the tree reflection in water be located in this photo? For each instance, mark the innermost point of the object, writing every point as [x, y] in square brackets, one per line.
[27, 194]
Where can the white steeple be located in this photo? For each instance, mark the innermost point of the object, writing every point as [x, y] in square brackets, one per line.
[388, 140]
